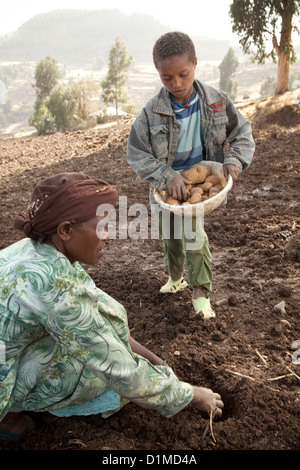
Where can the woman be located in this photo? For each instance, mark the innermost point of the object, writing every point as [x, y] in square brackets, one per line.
[66, 346]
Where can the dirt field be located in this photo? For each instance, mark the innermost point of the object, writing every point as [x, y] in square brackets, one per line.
[246, 353]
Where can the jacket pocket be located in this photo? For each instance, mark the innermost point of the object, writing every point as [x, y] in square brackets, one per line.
[160, 141]
[218, 130]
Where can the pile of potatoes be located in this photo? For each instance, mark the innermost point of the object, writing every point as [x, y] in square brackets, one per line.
[203, 185]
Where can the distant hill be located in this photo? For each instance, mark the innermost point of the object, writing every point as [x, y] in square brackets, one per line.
[78, 37]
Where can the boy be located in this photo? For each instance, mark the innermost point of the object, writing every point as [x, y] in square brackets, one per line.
[186, 122]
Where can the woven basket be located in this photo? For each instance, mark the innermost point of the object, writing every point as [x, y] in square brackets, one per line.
[205, 207]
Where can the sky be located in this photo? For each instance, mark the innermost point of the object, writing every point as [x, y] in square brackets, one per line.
[208, 18]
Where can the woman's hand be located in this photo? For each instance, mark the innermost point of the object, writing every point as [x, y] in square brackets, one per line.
[177, 188]
[206, 400]
[232, 170]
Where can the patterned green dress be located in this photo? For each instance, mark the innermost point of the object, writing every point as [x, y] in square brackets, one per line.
[63, 341]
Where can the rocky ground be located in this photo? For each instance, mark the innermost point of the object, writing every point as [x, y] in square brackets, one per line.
[246, 353]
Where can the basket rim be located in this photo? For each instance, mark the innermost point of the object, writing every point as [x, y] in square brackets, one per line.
[208, 202]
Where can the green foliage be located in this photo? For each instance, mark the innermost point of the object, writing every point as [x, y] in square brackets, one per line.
[113, 86]
[294, 81]
[8, 73]
[7, 106]
[227, 68]
[259, 22]
[130, 109]
[46, 76]
[57, 106]
[62, 104]
[85, 91]
[265, 28]
[267, 88]
[56, 112]
[42, 119]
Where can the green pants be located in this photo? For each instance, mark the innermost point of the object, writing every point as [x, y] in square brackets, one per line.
[178, 248]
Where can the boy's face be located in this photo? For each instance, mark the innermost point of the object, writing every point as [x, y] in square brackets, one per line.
[177, 74]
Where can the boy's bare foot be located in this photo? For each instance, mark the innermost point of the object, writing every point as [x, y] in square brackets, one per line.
[198, 291]
[201, 303]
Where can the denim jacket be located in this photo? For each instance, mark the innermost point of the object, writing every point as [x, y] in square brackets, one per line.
[153, 138]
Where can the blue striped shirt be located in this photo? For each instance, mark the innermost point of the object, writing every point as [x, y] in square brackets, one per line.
[189, 150]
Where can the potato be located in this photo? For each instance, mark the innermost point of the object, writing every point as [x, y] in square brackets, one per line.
[186, 203]
[188, 186]
[218, 187]
[213, 191]
[195, 198]
[196, 189]
[205, 186]
[172, 201]
[214, 179]
[197, 173]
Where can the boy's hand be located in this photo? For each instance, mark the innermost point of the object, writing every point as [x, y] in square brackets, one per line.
[232, 170]
[177, 188]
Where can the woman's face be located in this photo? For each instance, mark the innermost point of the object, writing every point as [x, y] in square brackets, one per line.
[177, 74]
[86, 241]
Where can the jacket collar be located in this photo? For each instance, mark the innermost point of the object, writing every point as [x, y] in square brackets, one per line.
[162, 103]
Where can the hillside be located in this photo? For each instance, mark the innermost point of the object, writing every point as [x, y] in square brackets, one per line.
[80, 42]
[78, 37]
[246, 352]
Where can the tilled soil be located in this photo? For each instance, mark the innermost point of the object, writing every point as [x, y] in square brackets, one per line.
[246, 353]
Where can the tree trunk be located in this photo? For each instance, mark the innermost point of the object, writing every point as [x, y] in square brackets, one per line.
[117, 111]
[284, 49]
[283, 70]
[117, 92]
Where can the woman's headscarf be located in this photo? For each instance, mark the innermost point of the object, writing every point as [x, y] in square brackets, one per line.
[64, 197]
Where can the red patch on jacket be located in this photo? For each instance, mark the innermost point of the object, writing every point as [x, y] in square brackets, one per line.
[217, 107]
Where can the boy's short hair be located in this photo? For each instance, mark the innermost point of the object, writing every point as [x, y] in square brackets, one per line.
[173, 43]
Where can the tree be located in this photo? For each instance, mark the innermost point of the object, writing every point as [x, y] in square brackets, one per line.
[113, 85]
[256, 22]
[227, 68]
[62, 104]
[267, 88]
[86, 90]
[46, 76]
[42, 119]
